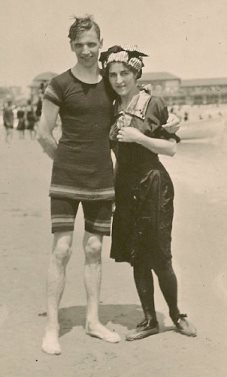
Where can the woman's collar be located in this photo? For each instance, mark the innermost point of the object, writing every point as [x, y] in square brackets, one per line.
[137, 109]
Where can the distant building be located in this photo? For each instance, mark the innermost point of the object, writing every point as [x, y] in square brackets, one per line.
[162, 82]
[5, 94]
[39, 84]
[205, 91]
[194, 91]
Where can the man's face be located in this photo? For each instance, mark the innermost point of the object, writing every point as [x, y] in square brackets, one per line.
[86, 47]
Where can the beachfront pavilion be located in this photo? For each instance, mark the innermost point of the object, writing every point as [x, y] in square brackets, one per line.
[39, 84]
[191, 92]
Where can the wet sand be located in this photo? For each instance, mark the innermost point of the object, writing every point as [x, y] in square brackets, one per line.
[199, 249]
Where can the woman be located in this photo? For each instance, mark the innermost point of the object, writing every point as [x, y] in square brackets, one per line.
[144, 191]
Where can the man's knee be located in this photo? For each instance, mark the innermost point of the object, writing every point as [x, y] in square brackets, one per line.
[62, 250]
[92, 248]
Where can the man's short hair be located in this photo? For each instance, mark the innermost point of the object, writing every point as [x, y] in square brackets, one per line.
[83, 24]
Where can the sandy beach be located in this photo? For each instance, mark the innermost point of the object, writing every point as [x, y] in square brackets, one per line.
[198, 171]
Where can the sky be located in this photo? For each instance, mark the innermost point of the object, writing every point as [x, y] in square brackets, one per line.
[187, 38]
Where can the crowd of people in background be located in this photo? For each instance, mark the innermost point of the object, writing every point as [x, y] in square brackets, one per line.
[22, 118]
[192, 113]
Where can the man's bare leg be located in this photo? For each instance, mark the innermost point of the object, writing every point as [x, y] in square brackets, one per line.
[92, 279]
[55, 286]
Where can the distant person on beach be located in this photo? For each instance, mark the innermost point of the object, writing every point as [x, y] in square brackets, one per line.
[21, 121]
[82, 173]
[38, 110]
[142, 222]
[186, 116]
[30, 119]
[8, 120]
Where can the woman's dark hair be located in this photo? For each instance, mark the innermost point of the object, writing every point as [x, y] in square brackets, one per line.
[138, 74]
[83, 24]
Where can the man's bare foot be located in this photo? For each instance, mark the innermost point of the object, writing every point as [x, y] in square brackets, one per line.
[99, 331]
[50, 343]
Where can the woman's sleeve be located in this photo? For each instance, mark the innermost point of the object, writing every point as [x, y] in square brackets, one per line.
[54, 93]
[157, 117]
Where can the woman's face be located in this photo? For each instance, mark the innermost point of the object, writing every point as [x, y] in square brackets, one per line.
[122, 80]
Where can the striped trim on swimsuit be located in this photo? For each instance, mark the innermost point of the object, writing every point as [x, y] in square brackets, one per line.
[81, 194]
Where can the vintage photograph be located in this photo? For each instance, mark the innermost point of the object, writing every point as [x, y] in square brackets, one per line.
[113, 160]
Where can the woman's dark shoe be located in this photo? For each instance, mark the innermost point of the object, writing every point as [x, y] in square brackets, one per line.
[143, 329]
[184, 326]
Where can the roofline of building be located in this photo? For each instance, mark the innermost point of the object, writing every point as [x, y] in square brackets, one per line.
[204, 82]
[159, 76]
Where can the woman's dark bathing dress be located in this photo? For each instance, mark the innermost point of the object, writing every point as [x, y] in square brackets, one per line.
[144, 192]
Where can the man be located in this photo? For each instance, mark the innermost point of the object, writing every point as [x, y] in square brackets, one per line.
[82, 172]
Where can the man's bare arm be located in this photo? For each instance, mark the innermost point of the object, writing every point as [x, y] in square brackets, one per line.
[46, 126]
